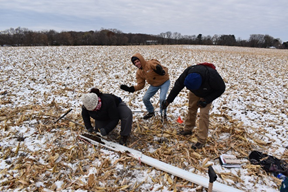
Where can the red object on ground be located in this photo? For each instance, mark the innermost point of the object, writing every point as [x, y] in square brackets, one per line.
[179, 120]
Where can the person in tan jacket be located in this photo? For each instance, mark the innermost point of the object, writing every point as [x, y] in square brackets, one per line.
[156, 75]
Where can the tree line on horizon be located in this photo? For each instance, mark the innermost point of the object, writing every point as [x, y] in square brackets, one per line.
[25, 37]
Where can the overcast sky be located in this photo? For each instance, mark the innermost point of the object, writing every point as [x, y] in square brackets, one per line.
[188, 17]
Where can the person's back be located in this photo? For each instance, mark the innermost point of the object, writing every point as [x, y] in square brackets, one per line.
[205, 85]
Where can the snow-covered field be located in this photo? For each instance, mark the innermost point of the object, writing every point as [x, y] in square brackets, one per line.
[39, 84]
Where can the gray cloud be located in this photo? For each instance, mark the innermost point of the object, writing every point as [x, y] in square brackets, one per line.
[188, 17]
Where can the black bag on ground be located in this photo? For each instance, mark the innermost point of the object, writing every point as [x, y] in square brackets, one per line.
[269, 163]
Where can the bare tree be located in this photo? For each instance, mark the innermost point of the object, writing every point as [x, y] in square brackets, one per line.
[227, 40]
[199, 39]
[268, 41]
[256, 40]
[23, 36]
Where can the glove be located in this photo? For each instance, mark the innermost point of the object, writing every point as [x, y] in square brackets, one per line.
[126, 88]
[201, 104]
[164, 104]
[103, 132]
[90, 130]
[159, 70]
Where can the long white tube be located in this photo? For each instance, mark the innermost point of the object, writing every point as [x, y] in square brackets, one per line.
[194, 178]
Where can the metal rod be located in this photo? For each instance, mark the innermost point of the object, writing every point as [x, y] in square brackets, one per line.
[63, 115]
[162, 116]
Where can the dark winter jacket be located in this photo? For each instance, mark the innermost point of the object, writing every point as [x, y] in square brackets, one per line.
[107, 112]
[147, 73]
[212, 83]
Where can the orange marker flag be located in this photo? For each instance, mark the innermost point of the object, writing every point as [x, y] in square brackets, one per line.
[179, 120]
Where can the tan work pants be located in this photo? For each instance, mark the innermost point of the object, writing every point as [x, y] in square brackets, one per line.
[190, 120]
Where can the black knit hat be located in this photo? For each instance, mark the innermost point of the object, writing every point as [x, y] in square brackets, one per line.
[134, 59]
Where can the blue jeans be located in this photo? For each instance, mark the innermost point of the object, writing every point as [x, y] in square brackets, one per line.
[151, 91]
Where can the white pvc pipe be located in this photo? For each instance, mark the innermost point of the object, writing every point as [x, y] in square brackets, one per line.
[194, 178]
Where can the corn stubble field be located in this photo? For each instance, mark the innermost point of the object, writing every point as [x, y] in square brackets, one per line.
[39, 84]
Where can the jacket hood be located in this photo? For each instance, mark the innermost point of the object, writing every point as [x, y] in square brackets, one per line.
[141, 58]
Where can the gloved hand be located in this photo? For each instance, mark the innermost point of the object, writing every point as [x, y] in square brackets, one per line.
[201, 104]
[103, 132]
[159, 70]
[164, 104]
[126, 88]
[90, 130]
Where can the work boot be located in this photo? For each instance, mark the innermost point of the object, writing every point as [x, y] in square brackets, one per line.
[197, 145]
[123, 140]
[148, 115]
[163, 119]
[184, 133]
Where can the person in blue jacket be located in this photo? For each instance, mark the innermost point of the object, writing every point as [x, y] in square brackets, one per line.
[205, 85]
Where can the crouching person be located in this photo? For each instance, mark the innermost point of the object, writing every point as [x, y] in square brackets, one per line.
[106, 110]
[205, 85]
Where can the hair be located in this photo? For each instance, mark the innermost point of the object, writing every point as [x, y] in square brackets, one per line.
[96, 91]
[134, 59]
